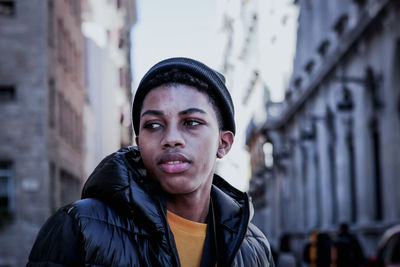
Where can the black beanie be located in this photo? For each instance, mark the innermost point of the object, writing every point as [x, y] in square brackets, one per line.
[214, 79]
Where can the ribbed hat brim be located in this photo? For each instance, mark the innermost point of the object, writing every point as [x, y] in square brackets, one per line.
[214, 79]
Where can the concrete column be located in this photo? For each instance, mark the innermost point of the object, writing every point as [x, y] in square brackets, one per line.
[276, 229]
[390, 129]
[317, 178]
[293, 174]
[324, 175]
[365, 174]
[299, 194]
[343, 171]
[310, 185]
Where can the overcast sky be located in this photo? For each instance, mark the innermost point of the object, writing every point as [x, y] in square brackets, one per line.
[174, 28]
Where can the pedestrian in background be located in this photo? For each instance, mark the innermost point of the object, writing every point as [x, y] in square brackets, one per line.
[347, 251]
[317, 252]
[160, 204]
[285, 256]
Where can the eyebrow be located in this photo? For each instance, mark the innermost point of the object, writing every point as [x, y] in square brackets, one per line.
[191, 111]
[183, 112]
[152, 112]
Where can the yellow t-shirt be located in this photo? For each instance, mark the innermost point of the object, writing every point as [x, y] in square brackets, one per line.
[189, 239]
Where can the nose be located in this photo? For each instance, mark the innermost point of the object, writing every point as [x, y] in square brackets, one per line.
[172, 138]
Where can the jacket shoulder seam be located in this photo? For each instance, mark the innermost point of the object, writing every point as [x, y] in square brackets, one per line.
[80, 216]
[255, 236]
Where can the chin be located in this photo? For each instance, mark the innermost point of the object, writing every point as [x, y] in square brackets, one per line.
[178, 188]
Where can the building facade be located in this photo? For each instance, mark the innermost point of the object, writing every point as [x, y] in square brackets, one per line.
[41, 117]
[337, 135]
[256, 62]
[106, 27]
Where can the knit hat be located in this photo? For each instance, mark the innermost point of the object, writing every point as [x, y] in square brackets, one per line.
[214, 79]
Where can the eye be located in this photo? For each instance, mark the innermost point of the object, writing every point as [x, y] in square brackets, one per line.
[192, 122]
[152, 125]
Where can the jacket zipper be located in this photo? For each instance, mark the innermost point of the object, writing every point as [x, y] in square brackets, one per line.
[169, 236]
[242, 231]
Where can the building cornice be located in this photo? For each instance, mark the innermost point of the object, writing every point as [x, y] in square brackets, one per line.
[366, 18]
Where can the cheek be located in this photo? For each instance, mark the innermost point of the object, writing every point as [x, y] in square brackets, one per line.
[145, 141]
[209, 147]
[146, 149]
[148, 162]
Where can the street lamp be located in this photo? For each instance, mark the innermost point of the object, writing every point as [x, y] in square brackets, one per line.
[370, 82]
[308, 131]
[345, 102]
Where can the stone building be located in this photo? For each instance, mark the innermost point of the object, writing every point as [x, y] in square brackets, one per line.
[256, 63]
[57, 85]
[42, 91]
[336, 139]
[106, 27]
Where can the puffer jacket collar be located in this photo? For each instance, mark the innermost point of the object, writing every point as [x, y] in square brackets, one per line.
[121, 181]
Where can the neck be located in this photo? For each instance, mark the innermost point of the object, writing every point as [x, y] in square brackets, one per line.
[189, 207]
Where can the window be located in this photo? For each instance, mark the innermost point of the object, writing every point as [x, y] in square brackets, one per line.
[61, 41]
[75, 8]
[341, 24]
[119, 4]
[268, 154]
[52, 186]
[70, 187]
[52, 104]
[309, 66]
[7, 8]
[6, 188]
[61, 114]
[323, 48]
[122, 77]
[121, 38]
[50, 23]
[7, 93]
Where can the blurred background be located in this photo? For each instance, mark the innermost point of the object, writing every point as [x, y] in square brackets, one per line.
[316, 88]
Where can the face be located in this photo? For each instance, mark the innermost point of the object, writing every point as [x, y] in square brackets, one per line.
[179, 139]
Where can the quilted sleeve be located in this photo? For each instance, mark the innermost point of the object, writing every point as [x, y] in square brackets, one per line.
[58, 243]
[255, 250]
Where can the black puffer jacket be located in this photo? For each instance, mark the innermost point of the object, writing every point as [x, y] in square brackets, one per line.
[121, 221]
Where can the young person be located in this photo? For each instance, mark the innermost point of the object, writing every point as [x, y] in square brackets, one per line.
[160, 204]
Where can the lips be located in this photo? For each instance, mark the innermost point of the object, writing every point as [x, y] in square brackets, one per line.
[174, 163]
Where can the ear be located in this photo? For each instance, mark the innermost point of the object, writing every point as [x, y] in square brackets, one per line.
[225, 143]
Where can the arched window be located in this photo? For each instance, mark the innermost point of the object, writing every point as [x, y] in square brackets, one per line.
[6, 188]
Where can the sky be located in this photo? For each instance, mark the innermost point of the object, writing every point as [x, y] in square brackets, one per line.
[174, 28]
